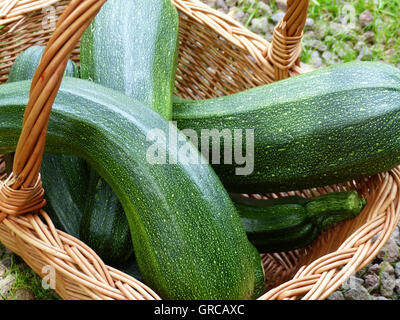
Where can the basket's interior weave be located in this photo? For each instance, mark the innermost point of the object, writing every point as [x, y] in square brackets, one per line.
[28, 23]
[210, 66]
[217, 57]
[2, 168]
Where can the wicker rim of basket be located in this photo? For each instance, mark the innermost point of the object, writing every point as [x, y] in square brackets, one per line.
[84, 275]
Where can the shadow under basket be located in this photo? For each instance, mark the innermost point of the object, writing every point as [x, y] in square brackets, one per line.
[218, 57]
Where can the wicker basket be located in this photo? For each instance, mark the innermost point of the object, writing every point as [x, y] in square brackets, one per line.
[218, 57]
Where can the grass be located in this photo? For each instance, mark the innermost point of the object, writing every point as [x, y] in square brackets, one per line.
[251, 8]
[385, 45]
[336, 25]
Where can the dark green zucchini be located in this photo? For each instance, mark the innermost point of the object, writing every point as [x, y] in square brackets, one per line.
[65, 200]
[321, 128]
[188, 238]
[331, 208]
[69, 193]
[75, 171]
[289, 223]
[104, 226]
[8, 161]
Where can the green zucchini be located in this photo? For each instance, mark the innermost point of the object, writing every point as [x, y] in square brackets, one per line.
[132, 46]
[289, 223]
[65, 200]
[143, 55]
[24, 67]
[64, 177]
[188, 238]
[321, 128]
[75, 171]
[104, 226]
[331, 208]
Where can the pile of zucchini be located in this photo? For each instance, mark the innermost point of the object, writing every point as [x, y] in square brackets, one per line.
[186, 229]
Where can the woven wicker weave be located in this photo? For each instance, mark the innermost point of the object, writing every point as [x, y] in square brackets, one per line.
[218, 57]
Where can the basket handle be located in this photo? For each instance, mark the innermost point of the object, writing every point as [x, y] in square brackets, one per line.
[282, 55]
[285, 49]
[22, 192]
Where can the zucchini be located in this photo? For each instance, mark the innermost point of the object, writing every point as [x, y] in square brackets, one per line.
[132, 46]
[146, 35]
[24, 67]
[188, 238]
[65, 200]
[70, 194]
[104, 226]
[321, 128]
[331, 208]
[289, 223]
[64, 177]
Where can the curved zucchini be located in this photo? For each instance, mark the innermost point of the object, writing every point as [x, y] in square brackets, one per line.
[321, 128]
[187, 235]
[289, 223]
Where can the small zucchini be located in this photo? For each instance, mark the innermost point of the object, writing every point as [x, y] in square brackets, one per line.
[289, 223]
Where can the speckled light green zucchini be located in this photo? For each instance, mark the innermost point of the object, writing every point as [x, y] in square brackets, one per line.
[328, 126]
[132, 46]
[187, 235]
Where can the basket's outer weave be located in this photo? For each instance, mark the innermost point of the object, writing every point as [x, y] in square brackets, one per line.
[218, 57]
